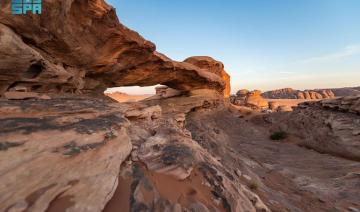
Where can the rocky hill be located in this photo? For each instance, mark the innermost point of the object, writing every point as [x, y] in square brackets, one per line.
[346, 91]
[289, 93]
[65, 146]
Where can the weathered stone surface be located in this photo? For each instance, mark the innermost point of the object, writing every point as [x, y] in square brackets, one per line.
[166, 92]
[175, 172]
[280, 172]
[15, 95]
[89, 53]
[330, 126]
[210, 65]
[60, 153]
[252, 99]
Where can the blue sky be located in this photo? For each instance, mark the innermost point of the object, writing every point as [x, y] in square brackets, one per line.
[264, 44]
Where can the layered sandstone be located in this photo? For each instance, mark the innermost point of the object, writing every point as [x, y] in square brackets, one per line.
[80, 46]
[85, 154]
[337, 124]
[184, 151]
[213, 66]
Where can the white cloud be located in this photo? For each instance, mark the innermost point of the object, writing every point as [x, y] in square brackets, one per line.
[341, 54]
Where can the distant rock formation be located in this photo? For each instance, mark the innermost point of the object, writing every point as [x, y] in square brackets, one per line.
[289, 93]
[339, 92]
[252, 99]
[124, 97]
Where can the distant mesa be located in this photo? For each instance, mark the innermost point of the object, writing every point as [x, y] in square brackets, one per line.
[289, 93]
[124, 97]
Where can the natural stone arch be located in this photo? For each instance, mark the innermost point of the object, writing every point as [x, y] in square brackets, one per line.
[92, 52]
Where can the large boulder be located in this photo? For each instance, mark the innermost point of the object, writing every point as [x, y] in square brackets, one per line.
[252, 99]
[80, 46]
[255, 100]
[213, 66]
[242, 93]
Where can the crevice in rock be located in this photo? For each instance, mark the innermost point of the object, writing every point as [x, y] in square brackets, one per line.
[33, 71]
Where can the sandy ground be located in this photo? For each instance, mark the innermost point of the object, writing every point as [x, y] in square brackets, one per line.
[184, 192]
[122, 97]
[291, 102]
[290, 177]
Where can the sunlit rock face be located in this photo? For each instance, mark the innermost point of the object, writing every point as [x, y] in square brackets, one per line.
[80, 46]
[213, 66]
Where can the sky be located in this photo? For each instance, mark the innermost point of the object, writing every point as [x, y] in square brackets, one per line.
[264, 44]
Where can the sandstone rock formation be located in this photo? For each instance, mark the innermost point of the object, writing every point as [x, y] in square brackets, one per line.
[79, 46]
[329, 126]
[190, 152]
[252, 99]
[286, 174]
[76, 145]
[339, 92]
[166, 92]
[77, 153]
[209, 64]
[289, 93]
[60, 153]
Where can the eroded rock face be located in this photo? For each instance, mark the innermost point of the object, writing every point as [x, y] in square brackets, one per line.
[170, 171]
[216, 67]
[166, 92]
[337, 124]
[251, 99]
[60, 154]
[80, 46]
[69, 151]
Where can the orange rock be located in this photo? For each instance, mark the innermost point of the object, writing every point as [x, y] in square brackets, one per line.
[213, 66]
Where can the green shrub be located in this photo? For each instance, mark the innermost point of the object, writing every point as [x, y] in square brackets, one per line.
[280, 135]
[253, 185]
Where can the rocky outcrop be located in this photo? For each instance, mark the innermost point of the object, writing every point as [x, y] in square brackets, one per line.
[60, 154]
[252, 99]
[166, 92]
[84, 154]
[286, 175]
[337, 124]
[80, 46]
[289, 93]
[339, 92]
[210, 65]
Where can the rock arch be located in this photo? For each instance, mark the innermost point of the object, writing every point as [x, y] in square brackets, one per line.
[91, 52]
